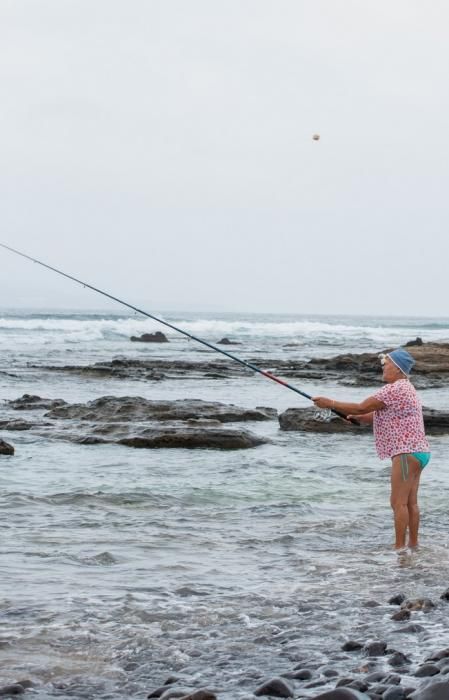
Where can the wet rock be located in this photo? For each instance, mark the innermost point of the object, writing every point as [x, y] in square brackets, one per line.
[426, 670]
[438, 655]
[305, 420]
[6, 448]
[397, 599]
[401, 615]
[316, 684]
[394, 693]
[179, 692]
[31, 402]
[424, 604]
[329, 672]
[398, 659]
[436, 690]
[136, 408]
[376, 648]
[163, 688]
[220, 439]
[409, 629]
[431, 369]
[392, 679]
[200, 695]
[413, 343]
[276, 687]
[137, 422]
[16, 425]
[358, 685]
[342, 694]
[375, 677]
[157, 692]
[303, 674]
[11, 690]
[226, 341]
[156, 337]
[445, 595]
[351, 645]
[371, 604]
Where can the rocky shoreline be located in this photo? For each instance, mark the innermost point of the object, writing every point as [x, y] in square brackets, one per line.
[431, 370]
[379, 671]
[136, 422]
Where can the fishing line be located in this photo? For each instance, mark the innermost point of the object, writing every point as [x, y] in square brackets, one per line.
[249, 365]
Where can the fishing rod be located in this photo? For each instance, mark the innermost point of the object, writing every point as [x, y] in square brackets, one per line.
[249, 365]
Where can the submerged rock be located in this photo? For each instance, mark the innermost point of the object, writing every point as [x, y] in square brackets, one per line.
[6, 448]
[226, 341]
[156, 337]
[31, 402]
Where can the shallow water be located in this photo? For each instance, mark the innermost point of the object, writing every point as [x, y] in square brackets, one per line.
[120, 567]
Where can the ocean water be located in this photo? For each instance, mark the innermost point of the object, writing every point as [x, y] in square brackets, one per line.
[121, 567]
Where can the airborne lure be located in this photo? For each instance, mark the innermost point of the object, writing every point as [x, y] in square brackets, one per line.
[249, 365]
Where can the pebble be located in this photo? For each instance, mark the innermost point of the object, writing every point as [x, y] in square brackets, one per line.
[398, 659]
[426, 670]
[401, 615]
[434, 691]
[13, 689]
[375, 648]
[276, 687]
[351, 645]
[394, 693]
[397, 599]
[203, 694]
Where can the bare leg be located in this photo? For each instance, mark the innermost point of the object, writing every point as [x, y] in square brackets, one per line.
[405, 472]
[412, 504]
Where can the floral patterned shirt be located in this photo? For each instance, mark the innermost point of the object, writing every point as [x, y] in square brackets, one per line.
[399, 427]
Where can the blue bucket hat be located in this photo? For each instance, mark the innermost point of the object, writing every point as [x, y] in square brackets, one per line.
[402, 359]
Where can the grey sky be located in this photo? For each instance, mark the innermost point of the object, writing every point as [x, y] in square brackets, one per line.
[163, 150]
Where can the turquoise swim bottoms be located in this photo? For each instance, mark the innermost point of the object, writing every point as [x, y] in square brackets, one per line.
[422, 457]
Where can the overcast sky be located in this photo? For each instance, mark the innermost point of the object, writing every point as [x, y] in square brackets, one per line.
[162, 150]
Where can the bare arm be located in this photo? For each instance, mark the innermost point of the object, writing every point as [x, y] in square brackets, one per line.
[367, 406]
[363, 419]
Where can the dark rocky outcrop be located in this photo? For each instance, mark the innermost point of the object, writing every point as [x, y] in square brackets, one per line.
[137, 422]
[191, 438]
[156, 337]
[350, 369]
[308, 420]
[135, 408]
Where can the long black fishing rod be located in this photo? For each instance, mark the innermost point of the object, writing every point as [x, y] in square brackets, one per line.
[254, 368]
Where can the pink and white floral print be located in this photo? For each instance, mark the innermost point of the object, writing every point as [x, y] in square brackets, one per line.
[399, 427]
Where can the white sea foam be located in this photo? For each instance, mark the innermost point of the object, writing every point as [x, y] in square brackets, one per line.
[73, 329]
